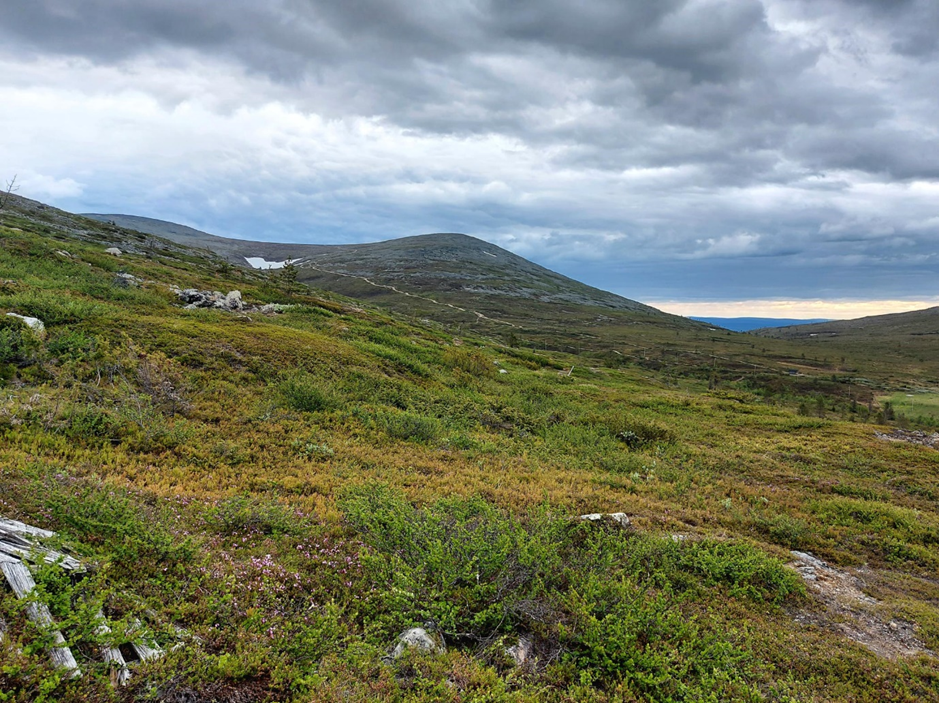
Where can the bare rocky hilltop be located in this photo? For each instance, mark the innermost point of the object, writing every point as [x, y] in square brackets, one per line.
[439, 263]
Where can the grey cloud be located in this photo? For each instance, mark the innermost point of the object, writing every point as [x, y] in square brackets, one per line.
[747, 127]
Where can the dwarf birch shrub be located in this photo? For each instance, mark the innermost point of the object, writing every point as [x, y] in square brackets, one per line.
[18, 343]
[462, 562]
[303, 392]
[409, 426]
[52, 308]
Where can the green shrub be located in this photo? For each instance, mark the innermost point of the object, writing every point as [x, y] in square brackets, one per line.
[636, 433]
[104, 515]
[621, 636]
[409, 426]
[470, 361]
[403, 358]
[244, 514]
[787, 530]
[90, 422]
[881, 516]
[462, 562]
[53, 308]
[73, 346]
[18, 343]
[303, 392]
[147, 427]
[743, 570]
[611, 603]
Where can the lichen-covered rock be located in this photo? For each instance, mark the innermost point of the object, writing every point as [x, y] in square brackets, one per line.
[620, 518]
[426, 639]
[125, 280]
[522, 652]
[273, 308]
[233, 301]
[911, 436]
[193, 299]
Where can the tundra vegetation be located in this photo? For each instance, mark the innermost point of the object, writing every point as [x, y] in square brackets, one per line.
[273, 497]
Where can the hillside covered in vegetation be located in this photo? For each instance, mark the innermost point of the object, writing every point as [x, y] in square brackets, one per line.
[272, 488]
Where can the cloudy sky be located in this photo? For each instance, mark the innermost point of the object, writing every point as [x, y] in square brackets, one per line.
[737, 157]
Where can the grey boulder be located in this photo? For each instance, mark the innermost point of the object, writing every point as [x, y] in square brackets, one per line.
[426, 639]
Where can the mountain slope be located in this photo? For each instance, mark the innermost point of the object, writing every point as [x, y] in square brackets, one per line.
[915, 323]
[449, 277]
[897, 345]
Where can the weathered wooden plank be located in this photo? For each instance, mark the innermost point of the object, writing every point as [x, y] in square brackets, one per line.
[8, 546]
[120, 673]
[14, 540]
[145, 650]
[21, 528]
[21, 581]
[25, 550]
[22, 540]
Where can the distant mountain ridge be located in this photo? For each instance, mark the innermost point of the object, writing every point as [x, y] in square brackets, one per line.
[746, 324]
[915, 323]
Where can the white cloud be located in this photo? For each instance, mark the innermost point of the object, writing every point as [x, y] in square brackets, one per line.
[738, 244]
[39, 185]
[788, 134]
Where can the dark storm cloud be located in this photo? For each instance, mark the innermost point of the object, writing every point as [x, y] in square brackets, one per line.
[717, 70]
[698, 130]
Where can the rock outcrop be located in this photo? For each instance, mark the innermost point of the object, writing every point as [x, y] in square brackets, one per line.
[522, 652]
[621, 519]
[911, 437]
[851, 612]
[126, 280]
[193, 299]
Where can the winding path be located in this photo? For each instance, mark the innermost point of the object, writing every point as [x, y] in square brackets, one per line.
[309, 264]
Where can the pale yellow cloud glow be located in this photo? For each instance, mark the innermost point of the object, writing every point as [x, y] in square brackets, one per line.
[800, 309]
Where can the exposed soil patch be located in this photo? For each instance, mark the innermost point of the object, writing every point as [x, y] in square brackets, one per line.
[851, 612]
[912, 437]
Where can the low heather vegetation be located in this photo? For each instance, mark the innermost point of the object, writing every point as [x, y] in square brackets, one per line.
[272, 498]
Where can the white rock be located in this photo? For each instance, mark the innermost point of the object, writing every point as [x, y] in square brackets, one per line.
[271, 308]
[34, 323]
[621, 518]
[418, 638]
[233, 300]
